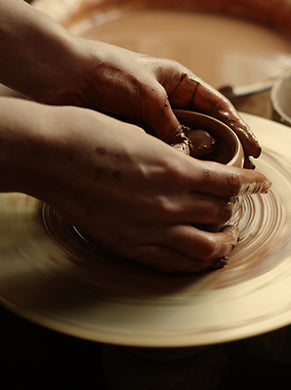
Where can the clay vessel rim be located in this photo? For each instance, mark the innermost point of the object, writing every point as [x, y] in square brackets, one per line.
[238, 150]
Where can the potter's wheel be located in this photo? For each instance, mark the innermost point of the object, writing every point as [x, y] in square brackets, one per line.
[50, 276]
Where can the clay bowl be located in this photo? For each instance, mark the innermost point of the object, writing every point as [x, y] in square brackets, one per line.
[228, 149]
[280, 99]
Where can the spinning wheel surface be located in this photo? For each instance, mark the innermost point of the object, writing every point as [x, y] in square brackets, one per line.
[51, 275]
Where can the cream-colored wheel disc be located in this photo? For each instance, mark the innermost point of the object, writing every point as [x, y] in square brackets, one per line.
[49, 277]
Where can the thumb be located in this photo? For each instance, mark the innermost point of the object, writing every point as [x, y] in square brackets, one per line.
[173, 133]
[162, 121]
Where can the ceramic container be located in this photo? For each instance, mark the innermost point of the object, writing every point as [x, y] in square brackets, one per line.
[228, 149]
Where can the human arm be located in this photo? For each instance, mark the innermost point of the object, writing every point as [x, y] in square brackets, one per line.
[58, 68]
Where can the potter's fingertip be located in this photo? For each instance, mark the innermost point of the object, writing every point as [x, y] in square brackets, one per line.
[254, 152]
[266, 186]
[260, 186]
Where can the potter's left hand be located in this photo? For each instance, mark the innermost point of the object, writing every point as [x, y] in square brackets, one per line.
[144, 89]
[59, 68]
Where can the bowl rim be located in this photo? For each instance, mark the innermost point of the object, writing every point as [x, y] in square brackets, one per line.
[238, 150]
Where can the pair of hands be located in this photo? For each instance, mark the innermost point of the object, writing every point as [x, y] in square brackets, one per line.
[143, 90]
[129, 191]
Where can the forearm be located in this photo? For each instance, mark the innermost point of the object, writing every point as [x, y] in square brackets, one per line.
[35, 52]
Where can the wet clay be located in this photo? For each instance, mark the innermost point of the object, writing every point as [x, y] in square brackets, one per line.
[222, 50]
[197, 143]
[210, 139]
[202, 144]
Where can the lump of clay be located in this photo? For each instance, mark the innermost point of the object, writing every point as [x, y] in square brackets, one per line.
[201, 143]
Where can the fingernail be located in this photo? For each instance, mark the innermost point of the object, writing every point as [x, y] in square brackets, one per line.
[257, 187]
[261, 187]
[266, 186]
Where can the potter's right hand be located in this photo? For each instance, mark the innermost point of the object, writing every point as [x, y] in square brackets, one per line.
[129, 191]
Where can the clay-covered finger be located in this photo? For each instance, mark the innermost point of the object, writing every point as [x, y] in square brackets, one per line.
[179, 139]
[199, 250]
[203, 245]
[187, 249]
[159, 117]
[184, 248]
[205, 209]
[220, 180]
[210, 101]
[167, 259]
[194, 93]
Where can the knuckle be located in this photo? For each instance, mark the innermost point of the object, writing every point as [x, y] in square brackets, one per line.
[233, 184]
[171, 64]
[209, 176]
[183, 72]
[208, 249]
[163, 205]
[229, 181]
[155, 94]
